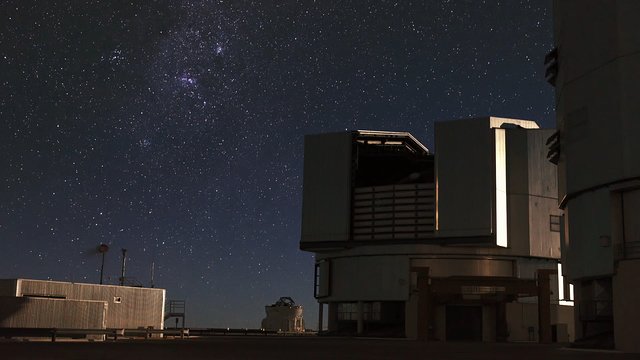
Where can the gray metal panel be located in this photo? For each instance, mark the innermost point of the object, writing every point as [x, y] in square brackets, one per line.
[138, 307]
[542, 174]
[464, 175]
[532, 193]
[50, 313]
[543, 241]
[369, 278]
[587, 256]
[466, 267]
[543, 192]
[327, 187]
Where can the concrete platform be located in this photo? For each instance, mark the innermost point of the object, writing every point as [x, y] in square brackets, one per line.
[283, 348]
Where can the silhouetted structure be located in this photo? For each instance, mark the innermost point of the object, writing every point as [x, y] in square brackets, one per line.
[595, 68]
[456, 246]
[177, 310]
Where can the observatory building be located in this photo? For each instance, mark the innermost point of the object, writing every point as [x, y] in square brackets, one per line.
[28, 303]
[595, 69]
[284, 316]
[460, 245]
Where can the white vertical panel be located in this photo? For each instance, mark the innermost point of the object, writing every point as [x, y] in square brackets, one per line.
[501, 188]
[560, 283]
[164, 302]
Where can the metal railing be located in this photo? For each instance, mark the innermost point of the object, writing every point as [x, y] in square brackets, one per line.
[55, 333]
[114, 334]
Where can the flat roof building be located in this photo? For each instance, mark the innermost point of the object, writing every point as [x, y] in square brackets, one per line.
[453, 246]
[26, 303]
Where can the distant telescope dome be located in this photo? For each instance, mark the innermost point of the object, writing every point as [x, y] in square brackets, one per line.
[284, 316]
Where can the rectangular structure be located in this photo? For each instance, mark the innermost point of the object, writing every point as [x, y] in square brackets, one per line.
[393, 212]
[327, 188]
[473, 167]
[125, 307]
[491, 193]
[27, 312]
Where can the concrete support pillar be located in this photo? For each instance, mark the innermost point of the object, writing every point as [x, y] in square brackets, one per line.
[333, 317]
[424, 303]
[502, 331]
[320, 316]
[544, 305]
[360, 317]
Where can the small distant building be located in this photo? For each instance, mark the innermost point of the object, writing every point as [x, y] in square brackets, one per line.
[26, 303]
[460, 245]
[284, 315]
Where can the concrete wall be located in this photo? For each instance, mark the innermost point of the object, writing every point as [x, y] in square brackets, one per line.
[411, 316]
[564, 315]
[488, 323]
[626, 310]
[522, 317]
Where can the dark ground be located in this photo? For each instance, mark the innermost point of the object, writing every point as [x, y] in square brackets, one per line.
[283, 348]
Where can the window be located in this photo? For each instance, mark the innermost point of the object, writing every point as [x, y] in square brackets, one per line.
[349, 311]
[372, 311]
[554, 223]
[321, 279]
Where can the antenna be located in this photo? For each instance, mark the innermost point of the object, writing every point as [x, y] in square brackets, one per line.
[102, 248]
[124, 265]
[153, 270]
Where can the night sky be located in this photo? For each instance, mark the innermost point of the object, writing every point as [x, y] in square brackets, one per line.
[174, 129]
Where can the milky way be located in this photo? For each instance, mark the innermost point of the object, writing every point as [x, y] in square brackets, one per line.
[174, 129]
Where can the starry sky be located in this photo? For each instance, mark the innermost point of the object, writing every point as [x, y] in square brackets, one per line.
[174, 128]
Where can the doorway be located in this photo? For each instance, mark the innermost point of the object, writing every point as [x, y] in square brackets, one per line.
[464, 323]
